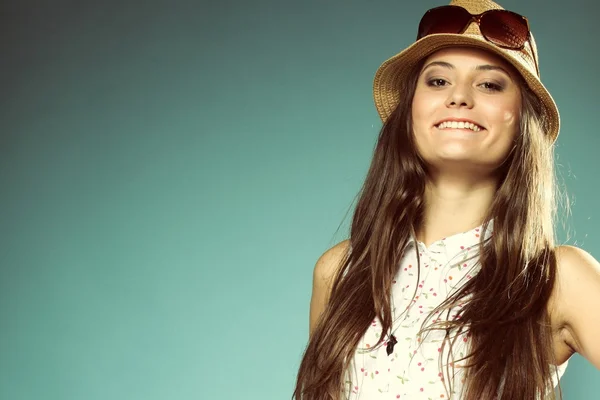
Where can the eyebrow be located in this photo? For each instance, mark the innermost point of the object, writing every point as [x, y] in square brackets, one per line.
[483, 67]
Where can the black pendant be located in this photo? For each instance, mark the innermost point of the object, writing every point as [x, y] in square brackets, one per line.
[390, 346]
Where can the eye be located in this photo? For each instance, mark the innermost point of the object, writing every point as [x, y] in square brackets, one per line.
[437, 82]
[492, 87]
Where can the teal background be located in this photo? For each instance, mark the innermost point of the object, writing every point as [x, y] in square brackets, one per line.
[171, 171]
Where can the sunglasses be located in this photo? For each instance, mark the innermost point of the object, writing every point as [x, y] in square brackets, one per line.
[505, 29]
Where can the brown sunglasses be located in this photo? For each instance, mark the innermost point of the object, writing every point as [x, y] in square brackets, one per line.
[505, 29]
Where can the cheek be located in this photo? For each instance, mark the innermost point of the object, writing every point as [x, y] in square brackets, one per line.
[416, 109]
[511, 120]
[419, 118]
[506, 126]
[505, 115]
[422, 110]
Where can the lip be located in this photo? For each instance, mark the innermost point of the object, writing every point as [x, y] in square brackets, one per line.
[450, 119]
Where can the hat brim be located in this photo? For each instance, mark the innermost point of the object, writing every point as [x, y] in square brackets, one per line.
[394, 70]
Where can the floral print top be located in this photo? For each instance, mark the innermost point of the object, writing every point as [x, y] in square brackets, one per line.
[412, 369]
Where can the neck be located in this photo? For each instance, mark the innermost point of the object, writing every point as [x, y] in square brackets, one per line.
[453, 206]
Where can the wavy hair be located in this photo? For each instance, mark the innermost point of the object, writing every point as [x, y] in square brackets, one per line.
[505, 312]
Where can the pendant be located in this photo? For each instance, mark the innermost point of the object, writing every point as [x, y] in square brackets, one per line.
[390, 346]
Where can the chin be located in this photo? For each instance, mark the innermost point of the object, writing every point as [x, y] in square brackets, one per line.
[456, 157]
[456, 164]
[457, 152]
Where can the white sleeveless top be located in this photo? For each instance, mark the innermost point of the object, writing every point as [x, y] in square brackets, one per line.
[412, 370]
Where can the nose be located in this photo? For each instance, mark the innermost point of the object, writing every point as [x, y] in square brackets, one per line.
[459, 96]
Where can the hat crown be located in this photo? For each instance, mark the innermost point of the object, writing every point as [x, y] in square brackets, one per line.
[476, 6]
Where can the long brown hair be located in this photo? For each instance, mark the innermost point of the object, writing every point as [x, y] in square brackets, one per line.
[506, 313]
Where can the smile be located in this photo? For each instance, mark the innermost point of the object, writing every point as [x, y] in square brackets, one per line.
[459, 125]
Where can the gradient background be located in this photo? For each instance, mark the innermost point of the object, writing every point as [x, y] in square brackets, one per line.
[170, 172]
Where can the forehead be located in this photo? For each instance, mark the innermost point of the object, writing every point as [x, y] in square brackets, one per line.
[470, 57]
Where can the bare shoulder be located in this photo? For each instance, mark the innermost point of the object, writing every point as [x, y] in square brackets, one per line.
[330, 261]
[577, 300]
[569, 255]
[575, 267]
[324, 272]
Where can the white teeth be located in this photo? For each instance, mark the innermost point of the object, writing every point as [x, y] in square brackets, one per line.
[459, 125]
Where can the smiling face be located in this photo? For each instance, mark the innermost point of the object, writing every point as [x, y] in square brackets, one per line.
[466, 109]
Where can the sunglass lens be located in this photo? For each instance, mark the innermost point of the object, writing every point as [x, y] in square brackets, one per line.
[444, 19]
[504, 28]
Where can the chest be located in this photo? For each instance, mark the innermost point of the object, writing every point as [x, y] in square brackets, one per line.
[415, 367]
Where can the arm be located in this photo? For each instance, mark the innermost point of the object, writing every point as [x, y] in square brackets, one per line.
[578, 285]
[324, 272]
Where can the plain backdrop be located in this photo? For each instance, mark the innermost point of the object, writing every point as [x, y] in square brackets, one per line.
[170, 172]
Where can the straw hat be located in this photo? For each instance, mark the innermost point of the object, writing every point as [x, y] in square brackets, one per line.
[394, 70]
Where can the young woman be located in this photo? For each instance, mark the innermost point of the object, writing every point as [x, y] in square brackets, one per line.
[451, 285]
